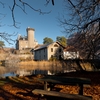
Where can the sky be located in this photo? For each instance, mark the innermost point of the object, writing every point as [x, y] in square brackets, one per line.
[45, 25]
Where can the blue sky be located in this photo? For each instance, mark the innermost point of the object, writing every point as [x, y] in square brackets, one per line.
[45, 25]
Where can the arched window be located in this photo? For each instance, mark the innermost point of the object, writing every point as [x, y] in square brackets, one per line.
[55, 45]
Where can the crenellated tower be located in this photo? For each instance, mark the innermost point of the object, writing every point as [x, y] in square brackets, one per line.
[30, 37]
[24, 42]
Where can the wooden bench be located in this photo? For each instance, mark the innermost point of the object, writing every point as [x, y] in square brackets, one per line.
[62, 95]
[51, 81]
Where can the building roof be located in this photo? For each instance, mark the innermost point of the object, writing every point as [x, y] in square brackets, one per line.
[46, 45]
[70, 48]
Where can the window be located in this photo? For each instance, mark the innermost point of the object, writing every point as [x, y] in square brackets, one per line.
[51, 56]
[55, 45]
[59, 50]
[51, 49]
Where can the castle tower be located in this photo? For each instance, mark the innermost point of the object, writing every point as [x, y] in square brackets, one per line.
[30, 35]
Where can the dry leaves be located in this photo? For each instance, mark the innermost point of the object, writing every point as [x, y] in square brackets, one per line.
[19, 88]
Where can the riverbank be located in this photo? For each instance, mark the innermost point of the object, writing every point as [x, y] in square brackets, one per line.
[20, 88]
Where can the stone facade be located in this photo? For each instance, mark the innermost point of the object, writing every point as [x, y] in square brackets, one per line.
[26, 41]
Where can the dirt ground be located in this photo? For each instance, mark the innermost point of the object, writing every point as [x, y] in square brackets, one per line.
[20, 88]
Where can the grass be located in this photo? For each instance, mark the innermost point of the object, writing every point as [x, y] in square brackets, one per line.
[53, 65]
[41, 65]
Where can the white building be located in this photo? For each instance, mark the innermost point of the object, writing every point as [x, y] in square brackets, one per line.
[70, 53]
[47, 51]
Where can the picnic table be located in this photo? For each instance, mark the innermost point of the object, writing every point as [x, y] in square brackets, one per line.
[51, 80]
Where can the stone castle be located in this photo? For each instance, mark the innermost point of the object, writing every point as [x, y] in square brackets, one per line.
[26, 41]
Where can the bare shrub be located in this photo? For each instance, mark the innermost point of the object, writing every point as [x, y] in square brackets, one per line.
[54, 66]
[2, 70]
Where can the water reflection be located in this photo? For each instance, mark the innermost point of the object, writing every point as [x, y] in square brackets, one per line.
[8, 74]
[33, 72]
[14, 67]
[24, 72]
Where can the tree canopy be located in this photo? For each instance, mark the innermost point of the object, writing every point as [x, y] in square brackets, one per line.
[47, 40]
[62, 40]
[2, 44]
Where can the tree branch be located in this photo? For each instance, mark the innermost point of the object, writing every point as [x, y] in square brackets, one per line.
[47, 2]
[7, 37]
[95, 20]
[52, 2]
[2, 4]
[23, 9]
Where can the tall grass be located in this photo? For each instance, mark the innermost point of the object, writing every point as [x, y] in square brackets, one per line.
[40, 65]
[52, 65]
[2, 70]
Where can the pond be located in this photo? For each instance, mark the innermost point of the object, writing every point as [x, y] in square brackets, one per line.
[12, 69]
[24, 72]
[8, 74]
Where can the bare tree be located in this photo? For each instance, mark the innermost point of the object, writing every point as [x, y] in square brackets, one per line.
[21, 4]
[83, 18]
[82, 13]
[87, 44]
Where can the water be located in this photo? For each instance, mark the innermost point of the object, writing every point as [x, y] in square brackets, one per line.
[8, 74]
[24, 72]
